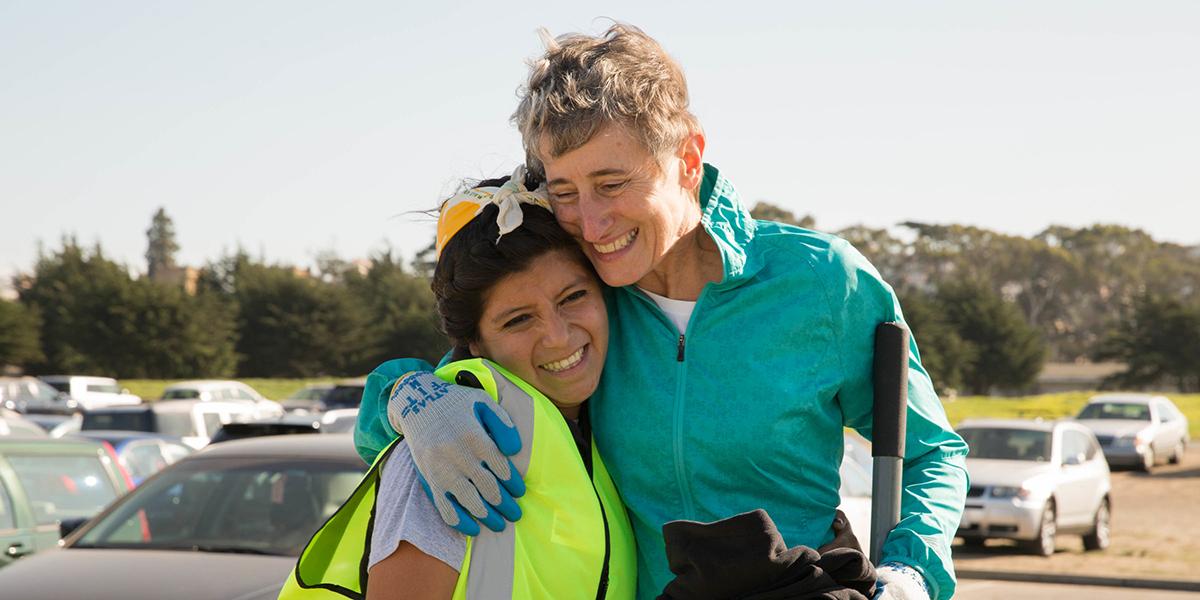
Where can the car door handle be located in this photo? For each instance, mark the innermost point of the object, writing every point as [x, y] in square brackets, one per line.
[17, 549]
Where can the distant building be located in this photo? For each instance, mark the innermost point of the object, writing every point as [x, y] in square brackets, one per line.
[184, 277]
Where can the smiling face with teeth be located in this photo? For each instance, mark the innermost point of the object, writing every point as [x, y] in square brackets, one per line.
[635, 214]
[548, 325]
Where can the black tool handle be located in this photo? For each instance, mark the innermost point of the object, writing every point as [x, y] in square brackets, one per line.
[890, 375]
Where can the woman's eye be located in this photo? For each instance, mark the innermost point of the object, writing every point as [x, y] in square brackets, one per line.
[515, 321]
[562, 196]
[613, 187]
[573, 296]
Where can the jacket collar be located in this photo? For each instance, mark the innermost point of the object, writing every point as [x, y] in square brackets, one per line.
[730, 226]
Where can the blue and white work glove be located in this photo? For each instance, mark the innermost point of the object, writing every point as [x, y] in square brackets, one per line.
[458, 438]
[898, 581]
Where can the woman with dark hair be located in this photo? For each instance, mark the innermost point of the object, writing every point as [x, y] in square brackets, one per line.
[515, 289]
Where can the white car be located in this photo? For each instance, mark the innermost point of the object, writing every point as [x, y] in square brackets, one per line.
[1032, 480]
[193, 421]
[222, 390]
[212, 389]
[92, 392]
[1137, 429]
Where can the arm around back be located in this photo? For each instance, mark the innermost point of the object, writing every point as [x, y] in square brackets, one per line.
[373, 432]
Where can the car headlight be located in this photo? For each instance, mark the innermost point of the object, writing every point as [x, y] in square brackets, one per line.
[1007, 491]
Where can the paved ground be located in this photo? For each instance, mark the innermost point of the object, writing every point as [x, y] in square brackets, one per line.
[1156, 533]
[1006, 590]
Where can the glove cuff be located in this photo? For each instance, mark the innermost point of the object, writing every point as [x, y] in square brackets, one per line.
[901, 582]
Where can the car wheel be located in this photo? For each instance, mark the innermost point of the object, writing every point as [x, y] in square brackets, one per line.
[1147, 460]
[1099, 537]
[1177, 453]
[1043, 544]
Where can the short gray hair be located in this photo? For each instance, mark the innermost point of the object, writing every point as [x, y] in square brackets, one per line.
[583, 83]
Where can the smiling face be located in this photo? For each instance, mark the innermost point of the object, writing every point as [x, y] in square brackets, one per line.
[628, 208]
[547, 324]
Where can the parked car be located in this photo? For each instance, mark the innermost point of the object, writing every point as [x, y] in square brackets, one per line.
[286, 425]
[48, 486]
[141, 454]
[341, 420]
[49, 422]
[192, 421]
[1032, 480]
[212, 390]
[226, 522]
[346, 393]
[92, 392]
[32, 395]
[1137, 430]
[14, 424]
[306, 399]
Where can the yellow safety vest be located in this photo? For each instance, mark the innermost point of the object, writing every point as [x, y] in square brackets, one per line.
[574, 539]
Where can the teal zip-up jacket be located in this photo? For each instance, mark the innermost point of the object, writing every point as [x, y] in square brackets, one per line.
[746, 408]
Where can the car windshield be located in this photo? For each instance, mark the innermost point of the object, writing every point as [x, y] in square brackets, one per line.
[181, 394]
[61, 386]
[1007, 443]
[248, 506]
[43, 391]
[1127, 411]
[176, 424]
[140, 420]
[309, 393]
[63, 487]
[344, 396]
[104, 388]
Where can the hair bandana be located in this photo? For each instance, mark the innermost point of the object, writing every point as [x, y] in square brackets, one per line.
[465, 205]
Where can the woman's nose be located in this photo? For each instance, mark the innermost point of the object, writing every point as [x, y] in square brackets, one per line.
[557, 333]
[594, 219]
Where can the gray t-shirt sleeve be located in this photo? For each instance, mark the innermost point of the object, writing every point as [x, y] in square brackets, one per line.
[403, 512]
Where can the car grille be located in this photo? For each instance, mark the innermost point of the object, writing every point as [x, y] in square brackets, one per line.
[976, 491]
[1105, 440]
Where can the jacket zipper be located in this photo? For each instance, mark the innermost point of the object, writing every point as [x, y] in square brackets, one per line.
[681, 483]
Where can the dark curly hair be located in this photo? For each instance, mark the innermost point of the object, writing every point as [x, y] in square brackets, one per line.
[473, 261]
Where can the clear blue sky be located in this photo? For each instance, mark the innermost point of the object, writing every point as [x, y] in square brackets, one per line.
[294, 127]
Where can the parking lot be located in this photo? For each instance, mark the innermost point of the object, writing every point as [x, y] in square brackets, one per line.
[1155, 532]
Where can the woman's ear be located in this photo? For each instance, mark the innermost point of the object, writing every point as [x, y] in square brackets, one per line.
[691, 161]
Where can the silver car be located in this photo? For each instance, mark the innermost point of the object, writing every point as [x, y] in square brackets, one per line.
[1138, 430]
[1032, 480]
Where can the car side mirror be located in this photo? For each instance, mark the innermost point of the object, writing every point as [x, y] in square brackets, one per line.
[68, 526]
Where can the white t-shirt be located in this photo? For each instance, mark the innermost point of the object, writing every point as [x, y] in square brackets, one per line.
[679, 311]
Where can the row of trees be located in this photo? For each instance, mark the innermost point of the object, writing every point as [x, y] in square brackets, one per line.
[989, 309]
[81, 312]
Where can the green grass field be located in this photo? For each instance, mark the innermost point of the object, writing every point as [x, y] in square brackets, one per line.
[1048, 406]
[275, 389]
[1051, 406]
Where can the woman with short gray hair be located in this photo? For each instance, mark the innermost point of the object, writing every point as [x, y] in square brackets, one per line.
[740, 349]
